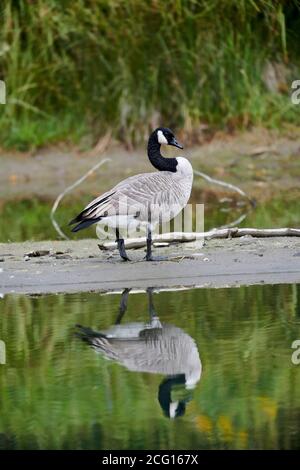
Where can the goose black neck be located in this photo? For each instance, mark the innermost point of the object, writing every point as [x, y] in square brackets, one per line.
[158, 161]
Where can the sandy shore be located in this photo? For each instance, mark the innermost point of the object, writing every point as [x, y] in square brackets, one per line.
[78, 266]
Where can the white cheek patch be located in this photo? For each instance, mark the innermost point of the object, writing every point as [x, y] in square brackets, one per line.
[161, 138]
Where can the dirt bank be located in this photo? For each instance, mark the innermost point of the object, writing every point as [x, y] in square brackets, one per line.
[77, 266]
[261, 162]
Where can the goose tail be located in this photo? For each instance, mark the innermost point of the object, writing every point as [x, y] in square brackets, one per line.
[89, 215]
[83, 223]
[87, 334]
[98, 341]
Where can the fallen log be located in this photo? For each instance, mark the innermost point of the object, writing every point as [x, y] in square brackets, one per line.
[182, 237]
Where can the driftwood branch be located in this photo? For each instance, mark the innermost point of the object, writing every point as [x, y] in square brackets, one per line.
[182, 237]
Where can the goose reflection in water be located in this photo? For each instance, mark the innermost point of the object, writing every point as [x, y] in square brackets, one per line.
[153, 347]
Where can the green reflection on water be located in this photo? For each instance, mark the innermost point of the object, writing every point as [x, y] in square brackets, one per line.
[57, 392]
[29, 219]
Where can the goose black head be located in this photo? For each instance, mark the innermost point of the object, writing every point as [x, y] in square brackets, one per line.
[166, 137]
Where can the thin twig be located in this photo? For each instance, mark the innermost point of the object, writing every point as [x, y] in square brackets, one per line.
[233, 188]
[236, 221]
[101, 149]
[223, 183]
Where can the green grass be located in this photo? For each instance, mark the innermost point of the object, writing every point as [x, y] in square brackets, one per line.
[80, 67]
[33, 133]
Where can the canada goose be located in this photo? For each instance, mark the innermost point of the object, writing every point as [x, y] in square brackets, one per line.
[144, 200]
[153, 347]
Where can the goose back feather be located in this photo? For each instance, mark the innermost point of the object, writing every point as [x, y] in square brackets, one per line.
[165, 350]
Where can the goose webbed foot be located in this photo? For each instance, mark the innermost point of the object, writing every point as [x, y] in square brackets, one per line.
[124, 256]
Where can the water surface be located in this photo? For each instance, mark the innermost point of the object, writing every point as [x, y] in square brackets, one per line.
[57, 392]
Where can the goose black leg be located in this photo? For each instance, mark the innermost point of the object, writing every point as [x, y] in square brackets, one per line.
[154, 320]
[123, 305]
[151, 308]
[149, 245]
[149, 256]
[121, 246]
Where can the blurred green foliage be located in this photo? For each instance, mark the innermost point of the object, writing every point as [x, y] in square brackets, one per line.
[56, 392]
[80, 67]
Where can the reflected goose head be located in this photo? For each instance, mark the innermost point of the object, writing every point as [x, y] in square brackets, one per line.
[173, 408]
[176, 409]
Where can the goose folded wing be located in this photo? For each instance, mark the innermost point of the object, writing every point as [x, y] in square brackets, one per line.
[131, 197]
